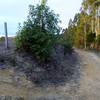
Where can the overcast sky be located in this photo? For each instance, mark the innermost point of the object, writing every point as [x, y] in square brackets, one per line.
[15, 11]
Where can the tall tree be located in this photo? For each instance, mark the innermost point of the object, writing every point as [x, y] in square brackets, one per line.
[91, 7]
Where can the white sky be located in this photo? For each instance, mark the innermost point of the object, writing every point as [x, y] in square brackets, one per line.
[15, 11]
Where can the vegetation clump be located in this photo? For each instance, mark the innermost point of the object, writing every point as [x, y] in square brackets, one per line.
[38, 34]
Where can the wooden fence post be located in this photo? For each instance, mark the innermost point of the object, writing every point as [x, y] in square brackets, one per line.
[6, 35]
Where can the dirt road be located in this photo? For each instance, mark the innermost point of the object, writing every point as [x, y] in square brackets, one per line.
[90, 76]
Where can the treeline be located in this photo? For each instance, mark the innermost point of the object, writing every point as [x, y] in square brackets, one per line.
[85, 27]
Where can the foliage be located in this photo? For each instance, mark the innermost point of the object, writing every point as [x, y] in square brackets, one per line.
[76, 29]
[80, 28]
[2, 39]
[97, 43]
[66, 44]
[69, 34]
[89, 4]
[90, 7]
[90, 38]
[68, 37]
[37, 36]
[98, 40]
[43, 17]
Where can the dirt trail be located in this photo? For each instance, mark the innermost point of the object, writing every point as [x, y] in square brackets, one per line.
[87, 89]
[90, 76]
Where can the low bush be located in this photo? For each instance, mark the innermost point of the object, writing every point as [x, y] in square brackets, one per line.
[67, 43]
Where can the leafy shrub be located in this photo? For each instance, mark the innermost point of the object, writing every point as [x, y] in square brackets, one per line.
[37, 36]
[38, 43]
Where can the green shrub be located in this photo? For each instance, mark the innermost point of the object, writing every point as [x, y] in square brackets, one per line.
[37, 36]
[38, 43]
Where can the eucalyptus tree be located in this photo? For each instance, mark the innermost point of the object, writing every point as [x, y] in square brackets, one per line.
[91, 7]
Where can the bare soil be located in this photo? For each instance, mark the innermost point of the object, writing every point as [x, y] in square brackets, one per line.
[90, 76]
